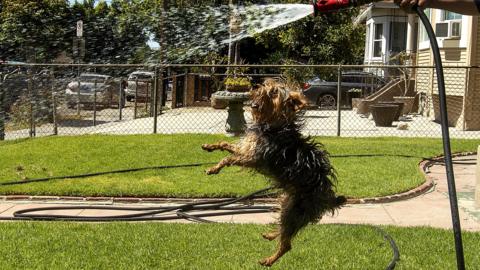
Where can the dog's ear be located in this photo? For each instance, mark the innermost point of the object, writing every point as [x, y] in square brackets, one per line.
[296, 100]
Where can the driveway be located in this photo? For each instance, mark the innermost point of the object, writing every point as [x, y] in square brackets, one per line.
[211, 121]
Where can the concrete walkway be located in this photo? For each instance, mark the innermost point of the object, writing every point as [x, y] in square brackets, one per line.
[429, 209]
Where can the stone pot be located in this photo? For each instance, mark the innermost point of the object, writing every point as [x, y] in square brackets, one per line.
[218, 103]
[408, 101]
[237, 88]
[400, 108]
[383, 114]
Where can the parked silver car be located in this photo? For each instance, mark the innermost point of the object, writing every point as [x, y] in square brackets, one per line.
[106, 88]
[139, 85]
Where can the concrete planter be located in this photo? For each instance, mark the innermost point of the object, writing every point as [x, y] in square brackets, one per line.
[237, 88]
[454, 107]
[383, 114]
[399, 110]
[408, 103]
[218, 104]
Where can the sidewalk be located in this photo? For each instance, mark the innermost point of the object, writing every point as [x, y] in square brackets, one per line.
[429, 209]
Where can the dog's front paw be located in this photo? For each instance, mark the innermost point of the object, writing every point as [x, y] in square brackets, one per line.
[267, 261]
[207, 147]
[211, 171]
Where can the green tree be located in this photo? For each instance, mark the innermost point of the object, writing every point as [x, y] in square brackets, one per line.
[326, 39]
[33, 28]
[113, 33]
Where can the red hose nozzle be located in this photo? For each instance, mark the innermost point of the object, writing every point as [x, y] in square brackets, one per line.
[322, 6]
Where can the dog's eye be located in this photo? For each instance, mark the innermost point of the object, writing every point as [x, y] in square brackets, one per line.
[273, 93]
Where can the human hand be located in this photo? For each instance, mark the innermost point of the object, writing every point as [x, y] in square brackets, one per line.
[407, 5]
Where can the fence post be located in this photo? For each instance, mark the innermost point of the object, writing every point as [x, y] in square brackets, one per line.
[120, 100]
[153, 96]
[78, 92]
[339, 99]
[136, 99]
[32, 103]
[95, 102]
[54, 112]
[155, 101]
[148, 98]
[2, 110]
[161, 87]
[54, 101]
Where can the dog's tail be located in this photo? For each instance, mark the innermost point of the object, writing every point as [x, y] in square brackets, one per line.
[335, 203]
[340, 200]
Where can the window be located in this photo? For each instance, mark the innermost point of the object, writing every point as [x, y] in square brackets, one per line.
[448, 15]
[450, 25]
[398, 36]
[378, 40]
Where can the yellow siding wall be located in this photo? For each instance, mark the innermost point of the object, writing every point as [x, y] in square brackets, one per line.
[423, 80]
[455, 83]
[472, 97]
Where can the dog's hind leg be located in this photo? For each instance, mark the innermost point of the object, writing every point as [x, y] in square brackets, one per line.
[271, 235]
[224, 146]
[292, 219]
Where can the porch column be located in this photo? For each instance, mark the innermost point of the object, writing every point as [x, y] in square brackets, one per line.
[410, 33]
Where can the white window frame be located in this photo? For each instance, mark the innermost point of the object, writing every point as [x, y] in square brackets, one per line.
[382, 41]
[450, 23]
[368, 28]
[386, 21]
[370, 40]
[439, 18]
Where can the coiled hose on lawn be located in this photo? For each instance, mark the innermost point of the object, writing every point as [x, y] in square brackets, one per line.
[181, 211]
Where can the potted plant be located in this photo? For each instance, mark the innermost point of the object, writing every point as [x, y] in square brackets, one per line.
[402, 59]
[237, 84]
[383, 114]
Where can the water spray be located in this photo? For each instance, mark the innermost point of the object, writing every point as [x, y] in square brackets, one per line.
[324, 6]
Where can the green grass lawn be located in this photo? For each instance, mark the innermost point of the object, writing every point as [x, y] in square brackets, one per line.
[58, 245]
[366, 166]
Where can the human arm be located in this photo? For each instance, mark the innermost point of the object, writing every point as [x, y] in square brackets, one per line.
[465, 7]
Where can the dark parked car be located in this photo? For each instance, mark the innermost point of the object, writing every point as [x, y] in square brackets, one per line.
[354, 84]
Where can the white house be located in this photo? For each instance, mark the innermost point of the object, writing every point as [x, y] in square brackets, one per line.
[390, 31]
[388, 28]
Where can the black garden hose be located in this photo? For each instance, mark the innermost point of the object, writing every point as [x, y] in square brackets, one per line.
[207, 208]
[45, 179]
[457, 231]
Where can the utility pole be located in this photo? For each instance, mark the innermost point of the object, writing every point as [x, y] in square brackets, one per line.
[79, 55]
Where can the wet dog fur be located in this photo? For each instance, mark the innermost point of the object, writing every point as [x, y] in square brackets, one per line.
[297, 165]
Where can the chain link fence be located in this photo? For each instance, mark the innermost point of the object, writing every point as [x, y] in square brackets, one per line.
[353, 101]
